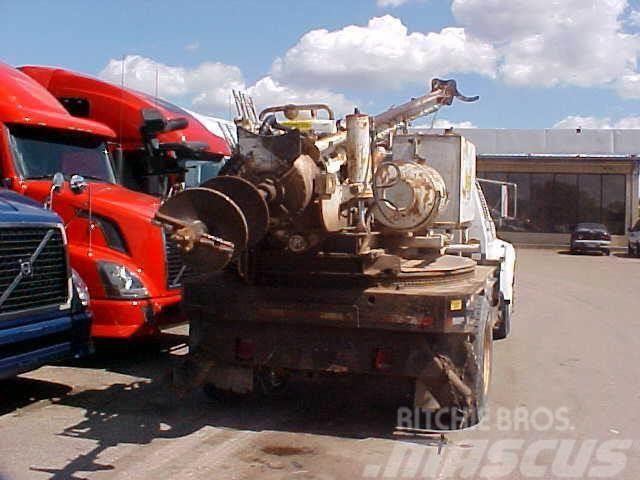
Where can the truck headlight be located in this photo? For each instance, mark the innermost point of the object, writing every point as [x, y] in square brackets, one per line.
[81, 289]
[120, 282]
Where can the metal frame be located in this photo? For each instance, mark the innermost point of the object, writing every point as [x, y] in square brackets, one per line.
[509, 184]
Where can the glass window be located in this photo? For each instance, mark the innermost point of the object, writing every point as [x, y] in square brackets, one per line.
[556, 203]
[613, 203]
[590, 198]
[40, 153]
[541, 202]
[564, 208]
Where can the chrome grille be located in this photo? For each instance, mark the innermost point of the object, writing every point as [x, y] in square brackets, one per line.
[33, 272]
[176, 269]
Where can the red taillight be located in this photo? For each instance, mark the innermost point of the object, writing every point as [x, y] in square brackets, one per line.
[426, 322]
[245, 349]
[383, 360]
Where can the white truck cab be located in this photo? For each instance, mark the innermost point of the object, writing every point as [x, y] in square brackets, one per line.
[483, 232]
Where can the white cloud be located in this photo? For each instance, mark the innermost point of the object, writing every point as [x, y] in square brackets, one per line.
[383, 55]
[577, 121]
[444, 123]
[209, 82]
[390, 3]
[208, 86]
[628, 86]
[551, 42]
[267, 91]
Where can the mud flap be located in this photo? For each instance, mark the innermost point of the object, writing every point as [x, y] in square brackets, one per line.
[454, 385]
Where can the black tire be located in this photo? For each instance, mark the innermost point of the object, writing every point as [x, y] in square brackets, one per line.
[502, 328]
[479, 370]
[606, 251]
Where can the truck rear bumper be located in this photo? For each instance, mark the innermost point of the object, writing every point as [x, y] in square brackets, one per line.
[27, 347]
[128, 318]
[321, 349]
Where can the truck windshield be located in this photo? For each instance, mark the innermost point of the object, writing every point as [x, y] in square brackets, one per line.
[40, 153]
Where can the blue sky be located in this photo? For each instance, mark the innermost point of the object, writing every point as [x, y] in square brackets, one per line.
[534, 64]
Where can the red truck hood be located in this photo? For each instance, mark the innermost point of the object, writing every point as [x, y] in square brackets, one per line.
[107, 199]
[115, 198]
[25, 101]
[120, 108]
[131, 212]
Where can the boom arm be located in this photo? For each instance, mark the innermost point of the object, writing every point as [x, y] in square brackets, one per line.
[442, 93]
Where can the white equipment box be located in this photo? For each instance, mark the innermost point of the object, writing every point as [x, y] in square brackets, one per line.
[454, 157]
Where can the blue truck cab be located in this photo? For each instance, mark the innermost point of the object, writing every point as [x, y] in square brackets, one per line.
[43, 314]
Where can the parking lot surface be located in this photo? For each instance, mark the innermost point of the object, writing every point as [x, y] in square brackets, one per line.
[564, 404]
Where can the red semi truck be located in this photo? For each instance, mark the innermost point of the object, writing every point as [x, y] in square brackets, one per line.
[152, 160]
[132, 273]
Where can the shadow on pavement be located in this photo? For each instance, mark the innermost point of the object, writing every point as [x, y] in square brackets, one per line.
[140, 412]
[625, 255]
[21, 392]
[589, 253]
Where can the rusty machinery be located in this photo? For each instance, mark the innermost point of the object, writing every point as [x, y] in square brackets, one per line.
[310, 211]
[287, 183]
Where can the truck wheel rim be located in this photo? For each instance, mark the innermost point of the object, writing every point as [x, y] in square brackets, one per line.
[486, 363]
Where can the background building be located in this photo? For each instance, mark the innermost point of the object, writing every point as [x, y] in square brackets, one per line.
[564, 177]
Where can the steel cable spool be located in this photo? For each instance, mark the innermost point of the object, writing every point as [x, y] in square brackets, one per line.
[408, 195]
[219, 215]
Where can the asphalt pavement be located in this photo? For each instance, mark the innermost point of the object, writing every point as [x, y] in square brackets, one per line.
[564, 404]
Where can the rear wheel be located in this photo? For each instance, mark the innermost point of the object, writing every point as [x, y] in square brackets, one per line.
[478, 370]
[503, 326]
[483, 347]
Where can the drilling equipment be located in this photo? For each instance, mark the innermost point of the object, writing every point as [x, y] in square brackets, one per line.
[321, 248]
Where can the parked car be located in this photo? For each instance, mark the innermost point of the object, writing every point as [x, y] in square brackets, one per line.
[593, 237]
[634, 240]
[43, 302]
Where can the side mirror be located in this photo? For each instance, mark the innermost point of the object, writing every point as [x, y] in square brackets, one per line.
[57, 182]
[77, 184]
[179, 123]
[153, 122]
